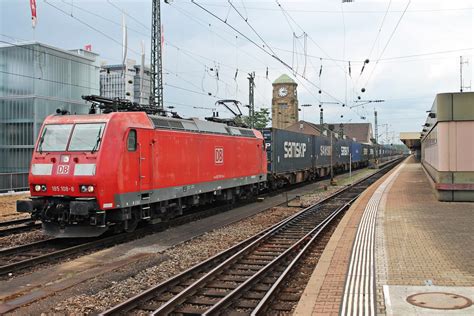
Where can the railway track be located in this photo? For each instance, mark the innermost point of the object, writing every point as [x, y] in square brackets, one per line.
[18, 226]
[19, 258]
[246, 278]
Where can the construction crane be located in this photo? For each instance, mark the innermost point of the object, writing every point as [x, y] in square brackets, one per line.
[156, 86]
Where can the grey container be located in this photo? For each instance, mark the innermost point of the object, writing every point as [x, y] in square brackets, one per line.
[343, 148]
[288, 151]
[322, 151]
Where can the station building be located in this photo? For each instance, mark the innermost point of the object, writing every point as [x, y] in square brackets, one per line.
[447, 146]
[35, 80]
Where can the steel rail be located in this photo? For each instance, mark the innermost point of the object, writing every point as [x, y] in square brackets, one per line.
[153, 291]
[15, 222]
[225, 257]
[18, 226]
[266, 299]
[183, 295]
[303, 241]
[85, 244]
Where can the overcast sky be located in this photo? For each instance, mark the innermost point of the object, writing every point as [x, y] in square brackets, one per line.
[437, 32]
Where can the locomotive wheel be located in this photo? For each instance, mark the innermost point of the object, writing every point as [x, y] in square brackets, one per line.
[130, 225]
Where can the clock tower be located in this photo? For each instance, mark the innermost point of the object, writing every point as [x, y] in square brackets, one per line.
[284, 102]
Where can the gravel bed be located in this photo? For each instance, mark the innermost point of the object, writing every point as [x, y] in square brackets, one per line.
[325, 190]
[8, 207]
[22, 238]
[176, 260]
[179, 258]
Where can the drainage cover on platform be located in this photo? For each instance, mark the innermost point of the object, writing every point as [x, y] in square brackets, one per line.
[439, 300]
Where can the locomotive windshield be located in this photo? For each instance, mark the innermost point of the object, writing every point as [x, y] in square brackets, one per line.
[86, 137]
[54, 137]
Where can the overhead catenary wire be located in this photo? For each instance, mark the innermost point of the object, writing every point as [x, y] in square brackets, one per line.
[119, 43]
[106, 19]
[388, 42]
[129, 15]
[351, 11]
[48, 80]
[26, 44]
[380, 30]
[310, 37]
[91, 27]
[369, 56]
[260, 47]
[273, 54]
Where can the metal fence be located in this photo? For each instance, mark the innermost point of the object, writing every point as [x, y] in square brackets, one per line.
[13, 182]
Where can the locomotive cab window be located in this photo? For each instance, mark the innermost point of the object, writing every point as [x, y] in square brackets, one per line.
[132, 140]
[54, 137]
[86, 137]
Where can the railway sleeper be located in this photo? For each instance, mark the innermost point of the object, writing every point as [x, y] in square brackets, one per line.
[260, 257]
[203, 300]
[190, 310]
[246, 303]
[261, 263]
[149, 306]
[222, 285]
[214, 293]
[233, 278]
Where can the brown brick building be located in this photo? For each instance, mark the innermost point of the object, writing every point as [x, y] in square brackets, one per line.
[361, 132]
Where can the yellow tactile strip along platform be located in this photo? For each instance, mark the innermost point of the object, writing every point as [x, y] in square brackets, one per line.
[323, 293]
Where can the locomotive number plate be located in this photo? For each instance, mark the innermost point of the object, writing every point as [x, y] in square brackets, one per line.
[63, 169]
[62, 188]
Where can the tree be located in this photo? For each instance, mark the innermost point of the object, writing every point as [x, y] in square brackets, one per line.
[261, 119]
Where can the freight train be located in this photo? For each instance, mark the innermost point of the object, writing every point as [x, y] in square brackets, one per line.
[94, 173]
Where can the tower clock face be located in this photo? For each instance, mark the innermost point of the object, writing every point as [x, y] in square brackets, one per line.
[283, 92]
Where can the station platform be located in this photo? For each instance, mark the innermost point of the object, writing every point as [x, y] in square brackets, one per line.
[397, 251]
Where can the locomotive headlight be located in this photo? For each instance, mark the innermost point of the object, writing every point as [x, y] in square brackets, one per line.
[37, 188]
[87, 188]
[43, 188]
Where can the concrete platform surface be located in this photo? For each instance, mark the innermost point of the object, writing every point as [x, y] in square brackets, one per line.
[397, 237]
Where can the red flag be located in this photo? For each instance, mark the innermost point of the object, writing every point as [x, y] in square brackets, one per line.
[33, 12]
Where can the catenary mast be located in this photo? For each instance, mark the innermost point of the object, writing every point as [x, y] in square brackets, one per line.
[156, 84]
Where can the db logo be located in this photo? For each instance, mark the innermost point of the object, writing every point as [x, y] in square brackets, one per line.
[219, 155]
[63, 169]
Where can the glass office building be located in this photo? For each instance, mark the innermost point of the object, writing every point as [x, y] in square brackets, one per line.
[35, 80]
[117, 81]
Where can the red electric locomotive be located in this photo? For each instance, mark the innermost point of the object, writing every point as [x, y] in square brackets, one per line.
[91, 173]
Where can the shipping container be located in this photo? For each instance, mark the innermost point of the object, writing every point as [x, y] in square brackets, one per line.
[341, 151]
[356, 152]
[288, 151]
[322, 146]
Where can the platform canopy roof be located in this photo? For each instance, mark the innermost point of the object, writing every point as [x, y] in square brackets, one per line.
[411, 139]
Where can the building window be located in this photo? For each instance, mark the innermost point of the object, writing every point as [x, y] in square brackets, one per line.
[283, 106]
